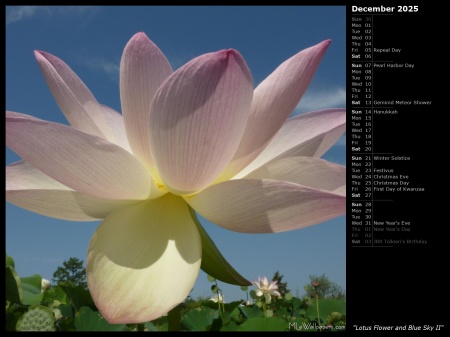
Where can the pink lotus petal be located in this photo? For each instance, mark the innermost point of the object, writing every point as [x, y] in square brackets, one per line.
[266, 206]
[273, 101]
[309, 134]
[81, 161]
[113, 127]
[142, 70]
[197, 119]
[187, 132]
[76, 101]
[265, 288]
[29, 188]
[307, 171]
[144, 260]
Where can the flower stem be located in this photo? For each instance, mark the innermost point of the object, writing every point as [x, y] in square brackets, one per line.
[317, 304]
[219, 296]
[219, 301]
[174, 318]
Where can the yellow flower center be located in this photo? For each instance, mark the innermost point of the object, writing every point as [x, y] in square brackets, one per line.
[161, 186]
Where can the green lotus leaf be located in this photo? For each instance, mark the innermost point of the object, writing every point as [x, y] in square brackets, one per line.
[78, 296]
[326, 308]
[264, 324]
[87, 319]
[55, 294]
[251, 311]
[10, 261]
[200, 319]
[13, 286]
[31, 289]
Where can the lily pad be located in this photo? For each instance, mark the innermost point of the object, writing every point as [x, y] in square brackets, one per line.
[89, 320]
[31, 289]
[13, 286]
[10, 261]
[264, 324]
[78, 296]
[200, 319]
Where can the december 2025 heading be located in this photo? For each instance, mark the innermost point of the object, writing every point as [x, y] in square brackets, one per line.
[386, 9]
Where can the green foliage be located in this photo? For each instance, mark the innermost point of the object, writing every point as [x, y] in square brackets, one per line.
[87, 319]
[230, 307]
[282, 286]
[152, 326]
[31, 289]
[13, 286]
[71, 273]
[263, 324]
[66, 324]
[251, 311]
[13, 314]
[326, 308]
[78, 296]
[336, 319]
[54, 294]
[200, 319]
[10, 261]
[70, 308]
[226, 307]
[237, 316]
[326, 288]
[37, 318]
[191, 304]
[66, 310]
[160, 324]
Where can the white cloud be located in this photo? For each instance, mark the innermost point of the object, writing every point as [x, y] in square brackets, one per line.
[17, 13]
[21, 12]
[112, 69]
[318, 100]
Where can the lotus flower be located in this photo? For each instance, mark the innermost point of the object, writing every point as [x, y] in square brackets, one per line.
[45, 285]
[265, 288]
[217, 298]
[198, 139]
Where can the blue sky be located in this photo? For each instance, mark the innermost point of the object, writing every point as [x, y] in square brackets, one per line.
[91, 40]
